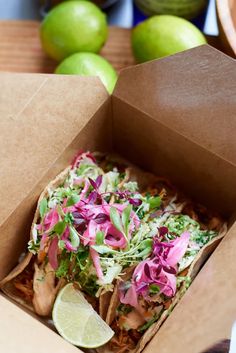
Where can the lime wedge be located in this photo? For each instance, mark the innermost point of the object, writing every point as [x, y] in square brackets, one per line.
[77, 321]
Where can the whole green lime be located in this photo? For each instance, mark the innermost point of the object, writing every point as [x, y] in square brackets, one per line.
[89, 64]
[73, 26]
[164, 35]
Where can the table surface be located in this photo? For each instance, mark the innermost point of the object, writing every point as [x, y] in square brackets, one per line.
[20, 48]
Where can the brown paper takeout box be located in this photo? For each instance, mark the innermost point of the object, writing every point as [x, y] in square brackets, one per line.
[174, 117]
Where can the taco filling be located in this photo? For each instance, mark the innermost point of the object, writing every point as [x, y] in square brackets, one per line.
[125, 238]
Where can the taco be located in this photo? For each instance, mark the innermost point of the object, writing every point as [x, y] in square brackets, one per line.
[141, 302]
[125, 237]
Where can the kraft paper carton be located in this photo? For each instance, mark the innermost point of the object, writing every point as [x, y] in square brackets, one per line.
[174, 117]
[23, 334]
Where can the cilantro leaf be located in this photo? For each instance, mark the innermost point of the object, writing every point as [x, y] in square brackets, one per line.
[154, 202]
[146, 247]
[72, 200]
[69, 218]
[43, 207]
[74, 237]
[99, 238]
[115, 219]
[103, 249]
[126, 217]
[59, 227]
[154, 289]
[63, 268]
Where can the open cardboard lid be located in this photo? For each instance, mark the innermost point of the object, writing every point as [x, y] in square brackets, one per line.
[41, 118]
[34, 129]
[21, 333]
[192, 92]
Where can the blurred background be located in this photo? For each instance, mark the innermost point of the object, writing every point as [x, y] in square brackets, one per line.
[123, 13]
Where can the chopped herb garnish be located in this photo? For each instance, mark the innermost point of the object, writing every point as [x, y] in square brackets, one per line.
[43, 207]
[97, 223]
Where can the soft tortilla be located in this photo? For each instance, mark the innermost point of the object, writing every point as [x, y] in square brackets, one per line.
[111, 313]
[104, 303]
[6, 285]
[194, 268]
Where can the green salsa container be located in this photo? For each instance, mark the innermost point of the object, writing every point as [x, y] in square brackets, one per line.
[183, 8]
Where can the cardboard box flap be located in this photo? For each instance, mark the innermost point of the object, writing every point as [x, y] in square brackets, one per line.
[192, 92]
[34, 129]
[21, 333]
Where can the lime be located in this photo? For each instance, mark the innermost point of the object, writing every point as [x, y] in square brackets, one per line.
[73, 26]
[77, 321]
[89, 64]
[164, 35]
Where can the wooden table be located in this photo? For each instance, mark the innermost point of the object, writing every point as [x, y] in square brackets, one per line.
[20, 49]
